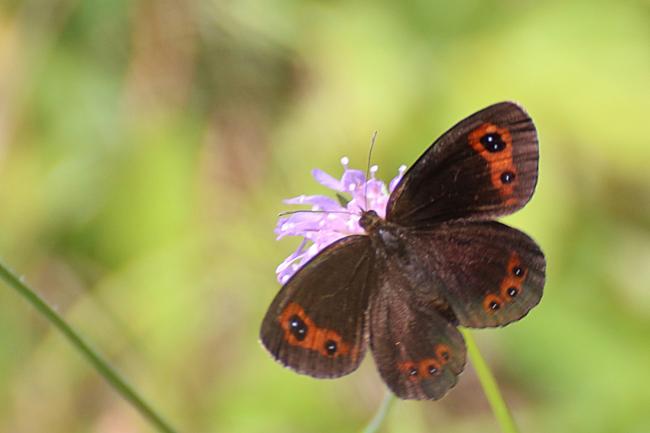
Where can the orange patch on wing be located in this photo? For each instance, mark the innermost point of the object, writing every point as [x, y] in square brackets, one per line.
[511, 285]
[489, 299]
[511, 280]
[442, 353]
[416, 370]
[429, 367]
[409, 368]
[499, 162]
[315, 338]
[421, 369]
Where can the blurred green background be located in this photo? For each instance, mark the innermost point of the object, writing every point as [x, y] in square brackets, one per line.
[145, 148]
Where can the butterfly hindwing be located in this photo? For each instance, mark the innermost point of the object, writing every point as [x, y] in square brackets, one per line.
[418, 352]
[492, 274]
[483, 167]
[316, 324]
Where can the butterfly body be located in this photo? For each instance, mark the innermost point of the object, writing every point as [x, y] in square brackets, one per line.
[435, 262]
[386, 239]
[392, 249]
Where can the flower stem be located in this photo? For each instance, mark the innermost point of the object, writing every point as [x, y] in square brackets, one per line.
[490, 387]
[378, 419]
[97, 361]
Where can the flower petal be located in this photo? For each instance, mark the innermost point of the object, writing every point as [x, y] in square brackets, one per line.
[353, 180]
[321, 201]
[326, 180]
[320, 229]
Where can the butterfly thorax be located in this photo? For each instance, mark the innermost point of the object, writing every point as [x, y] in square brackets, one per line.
[386, 237]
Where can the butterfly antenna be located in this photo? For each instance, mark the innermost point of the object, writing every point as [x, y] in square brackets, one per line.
[365, 188]
[291, 212]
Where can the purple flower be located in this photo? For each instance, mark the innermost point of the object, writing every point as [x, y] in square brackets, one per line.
[333, 220]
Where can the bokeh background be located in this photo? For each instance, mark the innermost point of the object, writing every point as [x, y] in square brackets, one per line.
[145, 148]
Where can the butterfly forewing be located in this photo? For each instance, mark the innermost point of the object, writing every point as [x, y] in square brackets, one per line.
[418, 352]
[483, 167]
[316, 323]
[492, 274]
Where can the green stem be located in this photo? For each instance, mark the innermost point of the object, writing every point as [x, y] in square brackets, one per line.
[377, 420]
[97, 361]
[490, 387]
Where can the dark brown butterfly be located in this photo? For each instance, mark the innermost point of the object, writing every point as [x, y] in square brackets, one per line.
[436, 262]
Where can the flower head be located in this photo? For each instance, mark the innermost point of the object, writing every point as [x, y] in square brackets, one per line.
[331, 219]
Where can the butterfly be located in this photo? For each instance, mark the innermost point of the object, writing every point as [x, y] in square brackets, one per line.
[436, 262]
